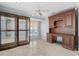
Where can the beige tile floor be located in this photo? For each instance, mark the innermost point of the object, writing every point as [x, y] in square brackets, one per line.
[39, 48]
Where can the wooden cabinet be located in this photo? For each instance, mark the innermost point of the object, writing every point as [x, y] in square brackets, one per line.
[51, 24]
[51, 38]
[68, 42]
[64, 24]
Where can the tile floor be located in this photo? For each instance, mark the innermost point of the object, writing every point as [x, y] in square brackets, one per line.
[39, 48]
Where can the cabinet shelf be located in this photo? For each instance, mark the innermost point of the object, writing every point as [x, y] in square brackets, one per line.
[58, 23]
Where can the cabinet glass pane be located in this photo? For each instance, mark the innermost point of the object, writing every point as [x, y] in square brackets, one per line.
[22, 24]
[7, 23]
[7, 37]
[3, 23]
[27, 35]
[22, 35]
[27, 24]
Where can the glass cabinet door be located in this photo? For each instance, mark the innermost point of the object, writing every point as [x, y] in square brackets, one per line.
[7, 23]
[7, 37]
[7, 30]
[22, 35]
[28, 30]
[28, 35]
[22, 24]
[23, 30]
[3, 23]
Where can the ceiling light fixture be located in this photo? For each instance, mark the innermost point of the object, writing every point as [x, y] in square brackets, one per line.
[40, 11]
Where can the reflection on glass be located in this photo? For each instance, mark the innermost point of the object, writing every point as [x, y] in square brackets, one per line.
[27, 24]
[22, 35]
[27, 35]
[7, 23]
[3, 23]
[7, 37]
[22, 24]
[10, 24]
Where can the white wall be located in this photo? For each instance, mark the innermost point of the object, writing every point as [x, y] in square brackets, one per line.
[44, 28]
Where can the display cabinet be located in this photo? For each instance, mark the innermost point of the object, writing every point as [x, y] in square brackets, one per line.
[14, 30]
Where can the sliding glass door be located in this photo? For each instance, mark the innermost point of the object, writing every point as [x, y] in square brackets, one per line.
[23, 30]
[7, 30]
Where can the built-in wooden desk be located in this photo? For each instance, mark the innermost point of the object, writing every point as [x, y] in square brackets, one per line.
[68, 40]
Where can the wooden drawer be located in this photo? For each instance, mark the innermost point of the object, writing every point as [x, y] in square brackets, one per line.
[68, 42]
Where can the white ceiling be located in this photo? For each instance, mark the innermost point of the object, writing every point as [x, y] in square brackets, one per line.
[29, 7]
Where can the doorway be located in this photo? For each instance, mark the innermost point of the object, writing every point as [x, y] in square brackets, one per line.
[35, 29]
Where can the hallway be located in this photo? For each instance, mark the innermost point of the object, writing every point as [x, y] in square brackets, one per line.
[39, 48]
